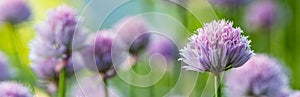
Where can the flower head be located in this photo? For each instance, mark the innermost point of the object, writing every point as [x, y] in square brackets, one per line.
[260, 76]
[14, 89]
[98, 55]
[14, 11]
[45, 68]
[60, 34]
[216, 47]
[4, 67]
[59, 42]
[58, 37]
[133, 32]
[262, 14]
[163, 46]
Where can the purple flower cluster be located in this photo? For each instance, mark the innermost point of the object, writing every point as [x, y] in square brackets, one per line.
[4, 67]
[45, 68]
[57, 34]
[132, 39]
[14, 11]
[162, 45]
[99, 53]
[262, 14]
[133, 33]
[14, 89]
[59, 41]
[216, 47]
[260, 76]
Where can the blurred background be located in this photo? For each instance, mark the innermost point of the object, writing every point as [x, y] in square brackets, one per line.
[272, 25]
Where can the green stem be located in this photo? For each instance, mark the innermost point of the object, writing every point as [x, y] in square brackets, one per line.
[151, 87]
[268, 37]
[218, 91]
[106, 88]
[131, 87]
[62, 84]
[131, 91]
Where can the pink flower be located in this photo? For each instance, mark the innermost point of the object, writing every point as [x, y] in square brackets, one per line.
[260, 76]
[14, 89]
[14, 11]
[133, 33]
[216, 47]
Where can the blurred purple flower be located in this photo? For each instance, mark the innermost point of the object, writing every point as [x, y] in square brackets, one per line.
[261, 76]
[295, 94]
[98, 55]
[56, 36]
[59, 35]
[163, 46]
[133, 32]
[59, 43]
[91, 87]
[45, 68]
[14, 11]
[262, 14]
[14, 89]
[216, 47]
[4, 67]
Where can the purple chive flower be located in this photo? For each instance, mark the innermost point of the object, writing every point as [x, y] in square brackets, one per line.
[45, 68]
[98, 55]
[59, 36]
[163, 46]
[59, 42]
[262, 14]
[14, 11]
[4, 67]
[133, 32]
[14, 89]
[261, 76]
[216, 47]
[91, 87]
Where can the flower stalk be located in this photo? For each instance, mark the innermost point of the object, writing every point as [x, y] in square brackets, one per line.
[62, 84]
[105, 86]
[218, 90]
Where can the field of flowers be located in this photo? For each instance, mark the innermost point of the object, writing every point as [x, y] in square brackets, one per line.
[149, 48]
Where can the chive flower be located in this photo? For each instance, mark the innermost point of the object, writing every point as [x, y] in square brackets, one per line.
[98, 54]
[14, 11]
[164, 46]
[261, 76]
[133, 33]
[14, 89]
[262, 14]
[59, 42]
[216, 47]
